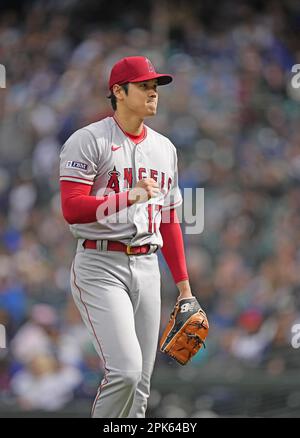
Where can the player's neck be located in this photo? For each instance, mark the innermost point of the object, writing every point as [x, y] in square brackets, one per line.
[129, 123]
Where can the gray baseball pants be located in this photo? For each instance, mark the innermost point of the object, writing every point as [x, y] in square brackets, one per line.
[118, 297]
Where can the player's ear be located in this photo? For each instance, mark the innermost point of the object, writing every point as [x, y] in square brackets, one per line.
[118, 91]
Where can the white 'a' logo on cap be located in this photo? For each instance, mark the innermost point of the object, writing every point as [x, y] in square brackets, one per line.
[150, 66]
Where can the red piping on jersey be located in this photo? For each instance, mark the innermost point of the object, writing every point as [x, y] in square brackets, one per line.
[75, 177]
[135, 138]
[173, 247]
[104, 361]
[171, 205]
[149, 208]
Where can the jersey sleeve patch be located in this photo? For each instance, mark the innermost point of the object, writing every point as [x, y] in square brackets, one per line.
[79, 158]
[76, 165]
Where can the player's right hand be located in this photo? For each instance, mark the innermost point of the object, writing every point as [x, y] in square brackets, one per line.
[144, 189]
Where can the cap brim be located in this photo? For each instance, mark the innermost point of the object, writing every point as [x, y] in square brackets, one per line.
[161, 79]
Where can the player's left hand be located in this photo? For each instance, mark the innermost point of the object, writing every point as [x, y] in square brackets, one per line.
[186, 331]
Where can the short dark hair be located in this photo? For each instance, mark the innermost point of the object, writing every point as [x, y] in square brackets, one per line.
[113, 99]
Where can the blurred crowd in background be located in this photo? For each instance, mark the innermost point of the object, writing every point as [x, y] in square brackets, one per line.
[234, 117]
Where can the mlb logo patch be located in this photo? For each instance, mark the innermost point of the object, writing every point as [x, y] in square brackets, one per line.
[76, 165]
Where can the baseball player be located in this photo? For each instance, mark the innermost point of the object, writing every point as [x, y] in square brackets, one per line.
[119, 191]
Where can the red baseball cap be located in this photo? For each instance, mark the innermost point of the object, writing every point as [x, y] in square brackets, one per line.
[135, 69]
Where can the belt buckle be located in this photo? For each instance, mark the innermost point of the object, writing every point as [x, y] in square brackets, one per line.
[129, 250]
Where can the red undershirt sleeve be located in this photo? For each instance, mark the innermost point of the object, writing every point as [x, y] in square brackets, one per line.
[79, 207]
[173, 247]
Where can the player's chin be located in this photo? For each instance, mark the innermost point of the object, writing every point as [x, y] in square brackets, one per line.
[151, 110]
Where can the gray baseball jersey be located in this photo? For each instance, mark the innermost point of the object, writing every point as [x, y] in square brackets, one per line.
[103, 156]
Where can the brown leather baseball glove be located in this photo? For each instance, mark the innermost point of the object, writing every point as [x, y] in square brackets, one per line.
[186, 331]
